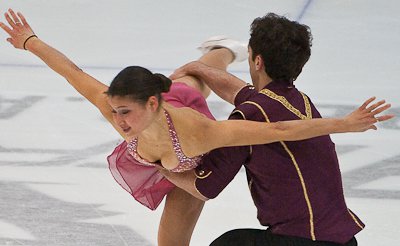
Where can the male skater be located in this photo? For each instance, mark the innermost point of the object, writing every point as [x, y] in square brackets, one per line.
[296, 186]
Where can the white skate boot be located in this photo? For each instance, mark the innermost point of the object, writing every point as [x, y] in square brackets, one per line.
[238, 49]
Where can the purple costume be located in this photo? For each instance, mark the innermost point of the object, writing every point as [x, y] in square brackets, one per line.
[140, 177]
[296, 186]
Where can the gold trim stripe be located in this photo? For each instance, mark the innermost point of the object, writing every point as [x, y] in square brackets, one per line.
[244, 117]
[251, 147]
[195, 187]
[250, 184]
[303, 184]
[308, 115]
[289, 106]
[355, 219]
[240, 112]
[307, 106]
[260, 108]
[201, 176]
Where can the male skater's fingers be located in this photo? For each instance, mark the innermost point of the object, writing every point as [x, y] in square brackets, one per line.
[185, 70]
[178, 73]
[174, 75]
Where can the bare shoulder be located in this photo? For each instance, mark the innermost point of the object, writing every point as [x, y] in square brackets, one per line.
[186, 114]
[188, 118]
[193, 129]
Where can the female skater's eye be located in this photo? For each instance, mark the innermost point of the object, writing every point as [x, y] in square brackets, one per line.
[124, 111]
[113, 111]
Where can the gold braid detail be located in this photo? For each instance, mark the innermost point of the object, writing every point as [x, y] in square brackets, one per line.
[289, 106]
[296, 165]
[307, 106]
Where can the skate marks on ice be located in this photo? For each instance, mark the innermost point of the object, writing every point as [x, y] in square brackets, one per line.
[43, 220]
[28, 215]
[9, 108]
[378, 175]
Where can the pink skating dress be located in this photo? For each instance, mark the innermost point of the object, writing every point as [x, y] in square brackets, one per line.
[140, 177]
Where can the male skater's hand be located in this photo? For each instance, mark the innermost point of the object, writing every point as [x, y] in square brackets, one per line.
[188, 69]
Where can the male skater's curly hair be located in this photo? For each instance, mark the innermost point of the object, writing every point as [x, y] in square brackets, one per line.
[284, 45]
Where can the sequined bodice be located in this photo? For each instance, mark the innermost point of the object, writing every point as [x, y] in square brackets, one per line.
[185, 163]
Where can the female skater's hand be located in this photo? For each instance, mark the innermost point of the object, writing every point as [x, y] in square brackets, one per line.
[19, 29]
[365, 117]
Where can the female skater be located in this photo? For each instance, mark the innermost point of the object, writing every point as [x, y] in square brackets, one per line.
[168, 124]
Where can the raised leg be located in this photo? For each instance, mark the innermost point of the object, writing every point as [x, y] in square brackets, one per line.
[218, 58]
[218, 52]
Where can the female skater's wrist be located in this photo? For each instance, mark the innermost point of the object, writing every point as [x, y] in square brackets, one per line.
[342, 125]
[29, 42]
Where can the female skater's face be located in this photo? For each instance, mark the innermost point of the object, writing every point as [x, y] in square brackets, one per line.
[132, 117]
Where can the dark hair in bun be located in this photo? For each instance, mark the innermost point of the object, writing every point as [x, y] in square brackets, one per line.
[165, 82]
[139, 84]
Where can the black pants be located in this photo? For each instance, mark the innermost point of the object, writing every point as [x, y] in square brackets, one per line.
[254, 237]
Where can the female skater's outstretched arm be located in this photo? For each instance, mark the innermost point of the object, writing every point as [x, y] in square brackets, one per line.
[216, 134]
[213, 134]
[23, 37]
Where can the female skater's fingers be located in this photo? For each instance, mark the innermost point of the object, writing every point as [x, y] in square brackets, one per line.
[367, 102]
[384, 117]
[5, 28]
[375, 105]
[22, 17]
[14, 17]
[9, 20]
[380, 109]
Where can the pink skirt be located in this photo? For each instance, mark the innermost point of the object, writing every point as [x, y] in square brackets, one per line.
[145, 183]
